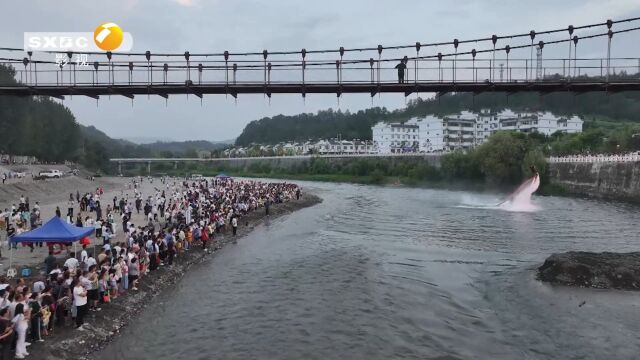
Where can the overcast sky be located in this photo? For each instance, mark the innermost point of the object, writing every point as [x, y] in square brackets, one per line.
[253, 25]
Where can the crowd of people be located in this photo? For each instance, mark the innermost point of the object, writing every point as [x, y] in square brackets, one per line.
[177, 216]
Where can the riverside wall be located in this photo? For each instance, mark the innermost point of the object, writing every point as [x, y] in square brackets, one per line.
[606, 180]
[158, 166]
[289, 163]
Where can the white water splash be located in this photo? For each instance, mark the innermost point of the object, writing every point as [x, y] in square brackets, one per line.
[520, 200]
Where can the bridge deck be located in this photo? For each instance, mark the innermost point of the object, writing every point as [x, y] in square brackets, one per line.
[320, 88]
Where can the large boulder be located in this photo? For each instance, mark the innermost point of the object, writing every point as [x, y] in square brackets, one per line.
[597, 270]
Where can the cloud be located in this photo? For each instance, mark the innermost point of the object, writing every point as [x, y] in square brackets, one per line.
[253, 25]
[187, 3]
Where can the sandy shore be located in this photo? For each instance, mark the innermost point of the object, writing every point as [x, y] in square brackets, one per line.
[68, 343]
[49, 194]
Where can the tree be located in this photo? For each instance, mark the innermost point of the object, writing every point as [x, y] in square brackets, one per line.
[502, 156]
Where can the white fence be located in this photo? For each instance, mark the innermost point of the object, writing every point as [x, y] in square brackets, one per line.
[595, 158]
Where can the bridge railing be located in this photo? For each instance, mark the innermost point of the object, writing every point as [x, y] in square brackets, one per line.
[633, 157]
[500, 70]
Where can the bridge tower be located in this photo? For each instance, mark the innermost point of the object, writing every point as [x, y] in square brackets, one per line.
[539, 75]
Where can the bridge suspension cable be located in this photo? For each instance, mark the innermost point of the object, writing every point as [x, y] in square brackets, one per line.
[417, 45]
[287, 63]
[294, 74]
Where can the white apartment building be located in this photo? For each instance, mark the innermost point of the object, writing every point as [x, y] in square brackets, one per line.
[395, 137]
[545, 123]
[465, 130]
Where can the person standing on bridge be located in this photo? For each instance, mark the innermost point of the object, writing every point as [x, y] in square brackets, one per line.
[401, 68]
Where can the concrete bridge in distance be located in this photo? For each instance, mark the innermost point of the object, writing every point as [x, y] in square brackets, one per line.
[282, 161]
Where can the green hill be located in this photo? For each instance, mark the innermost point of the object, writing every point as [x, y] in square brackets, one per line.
[46, 129]
[598, 109]
[324, 124]
[36, 126]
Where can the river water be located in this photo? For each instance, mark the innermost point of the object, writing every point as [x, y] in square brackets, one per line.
[387, 273]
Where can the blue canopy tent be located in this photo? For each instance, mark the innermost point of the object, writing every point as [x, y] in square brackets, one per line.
[55, 230]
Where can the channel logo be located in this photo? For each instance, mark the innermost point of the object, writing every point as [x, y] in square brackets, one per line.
[107, 36]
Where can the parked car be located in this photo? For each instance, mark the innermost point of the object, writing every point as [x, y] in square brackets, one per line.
[56, 174]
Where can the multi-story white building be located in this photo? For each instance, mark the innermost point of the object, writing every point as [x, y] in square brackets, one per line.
[395, 137]
[465, 130]
[544, 122]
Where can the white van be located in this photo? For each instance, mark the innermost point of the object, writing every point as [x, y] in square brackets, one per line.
[51, 174]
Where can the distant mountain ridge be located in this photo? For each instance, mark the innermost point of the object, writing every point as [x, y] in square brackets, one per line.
[184, 146]
[127, 148]
[141, 140]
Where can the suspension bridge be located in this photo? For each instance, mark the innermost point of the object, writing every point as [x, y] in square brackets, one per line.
[502, 63]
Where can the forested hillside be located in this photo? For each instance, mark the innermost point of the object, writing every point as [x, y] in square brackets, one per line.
[324, 124]
[46, 129]
[36, 126]
[592, 107]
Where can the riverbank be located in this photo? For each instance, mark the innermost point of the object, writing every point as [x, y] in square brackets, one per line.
[103, 326]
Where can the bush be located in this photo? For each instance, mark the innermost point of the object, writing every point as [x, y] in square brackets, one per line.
[377, 176]
[501, 157]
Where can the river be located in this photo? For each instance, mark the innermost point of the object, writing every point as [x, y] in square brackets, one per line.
[386, 273]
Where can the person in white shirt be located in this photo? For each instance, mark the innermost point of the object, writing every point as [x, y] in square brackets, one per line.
[83, 255]
[105, 234]
[91, 261]
[234, 224]
[38, 286]
[98, 227]
[72, 263]
[4, 301]
[21, 325]
[80, 301]
[18, 299]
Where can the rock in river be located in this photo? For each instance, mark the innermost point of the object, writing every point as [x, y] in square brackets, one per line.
[598, 270]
